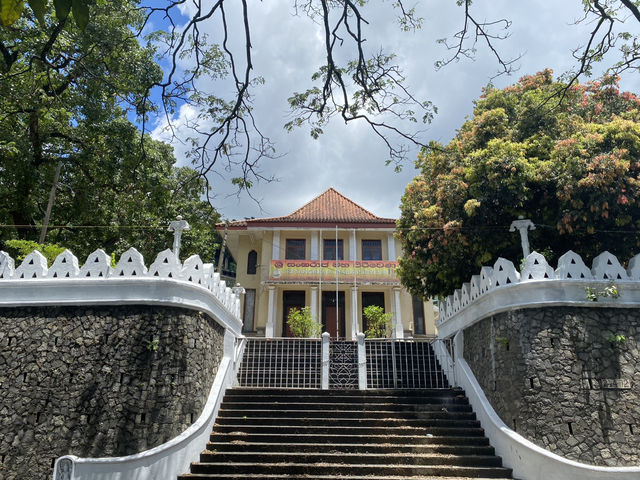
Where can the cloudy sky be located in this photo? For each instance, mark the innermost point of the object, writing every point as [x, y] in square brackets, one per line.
[287, 49]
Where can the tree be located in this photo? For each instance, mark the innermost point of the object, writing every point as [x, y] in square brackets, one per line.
[66, 96]
[377, 321]
[357, 82]
[571, 167]
[610, 40]
[301, 323]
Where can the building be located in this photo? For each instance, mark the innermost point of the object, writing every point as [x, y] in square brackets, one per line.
[331, 255]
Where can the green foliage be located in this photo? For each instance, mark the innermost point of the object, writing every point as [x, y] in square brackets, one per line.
[504, 341]
[152, 345]
[617, 340]
[301, 323]
[66, 96]
[377, 321]
[570, 164]
[19, 249]
[11, 10]
[610, 291]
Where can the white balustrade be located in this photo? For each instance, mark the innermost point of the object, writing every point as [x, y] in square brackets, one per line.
[633, 271]
[605, 268]
[536, 268]
[130, 265]
[457, 300]
[193, 270]
[7, 266]
[475, 287]
[33, 266]
[504, 273]
[486, 273]
[571, 266]
[466, 294]
[64, 266]
[98, 264]
[166, 265]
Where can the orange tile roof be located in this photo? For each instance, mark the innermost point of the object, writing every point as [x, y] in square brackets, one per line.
[329, 208]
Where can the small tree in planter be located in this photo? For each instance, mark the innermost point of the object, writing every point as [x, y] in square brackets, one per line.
[301, 323]
[377, 321]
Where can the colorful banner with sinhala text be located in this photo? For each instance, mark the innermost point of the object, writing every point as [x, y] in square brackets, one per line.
[365, 271]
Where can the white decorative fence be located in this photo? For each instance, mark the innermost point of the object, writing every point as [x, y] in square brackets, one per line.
[192, 284]
[571, 267]
[503, 288]
[130, 266]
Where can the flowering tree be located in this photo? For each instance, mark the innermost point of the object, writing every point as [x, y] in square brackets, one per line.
[569, 161]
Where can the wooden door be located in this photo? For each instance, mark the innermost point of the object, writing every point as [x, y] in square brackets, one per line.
[332, 314]
[331, 321]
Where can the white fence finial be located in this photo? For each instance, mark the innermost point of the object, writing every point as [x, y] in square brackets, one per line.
[523, 225]
[177, 226]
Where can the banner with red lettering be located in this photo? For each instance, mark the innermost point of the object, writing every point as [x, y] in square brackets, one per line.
[373, 271]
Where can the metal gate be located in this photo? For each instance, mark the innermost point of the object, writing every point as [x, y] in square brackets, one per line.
[339, 364]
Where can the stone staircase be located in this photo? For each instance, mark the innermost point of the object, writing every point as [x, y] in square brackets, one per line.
[297, 434]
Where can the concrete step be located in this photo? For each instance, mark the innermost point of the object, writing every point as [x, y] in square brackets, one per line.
[322, 468]
[461, 405]
[241, 438]
[321, 448]
[347, 399]
[351, 459]
[284, 430]
[259, 476]
[442, 412]
[305, 392]
[283, 421]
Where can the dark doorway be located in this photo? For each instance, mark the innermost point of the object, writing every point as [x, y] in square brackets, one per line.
[418, 315]
[249, 310]
[290, 299]
[332, 314]
[368, 299]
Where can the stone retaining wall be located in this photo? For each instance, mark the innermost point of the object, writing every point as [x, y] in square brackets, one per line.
[99, 381]
[553, 375]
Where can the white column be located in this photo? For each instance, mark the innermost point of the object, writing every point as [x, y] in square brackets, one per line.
[354, 312]
[269, 331]
[315, 251]
[275, 252]
[325, 361]
[391, 247]
[314, 304]
[352, 246]
[362, 363]
[398, 329]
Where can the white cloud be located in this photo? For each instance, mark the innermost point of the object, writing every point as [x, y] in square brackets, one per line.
[287, 50]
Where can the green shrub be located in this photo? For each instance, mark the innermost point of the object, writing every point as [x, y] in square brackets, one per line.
[377, 321]
[302, 324]
[19, 249]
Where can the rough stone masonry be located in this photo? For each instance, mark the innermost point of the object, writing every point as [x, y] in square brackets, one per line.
[566, 378]
[99, 381]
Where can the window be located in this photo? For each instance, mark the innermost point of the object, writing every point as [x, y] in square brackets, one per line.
[329, 251]
[295, 249]
[252, 262]
[371, 250]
